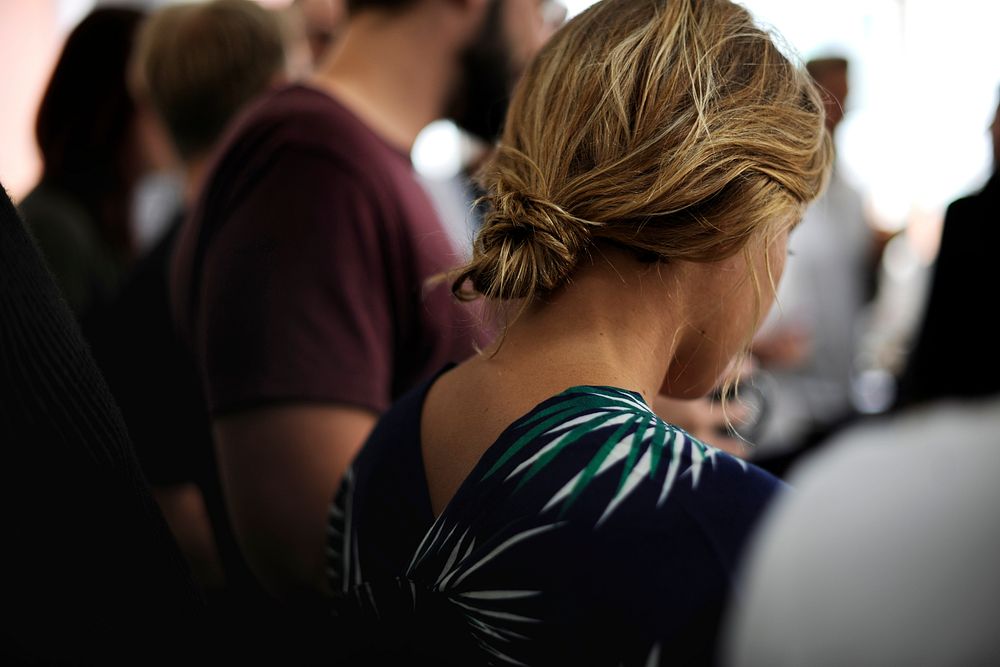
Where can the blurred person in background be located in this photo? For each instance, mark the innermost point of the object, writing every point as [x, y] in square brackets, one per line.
[94, 151]
[90, 573]
[809, 343]
[886, 553]
[195, 68]
[299, 280]
[454, 198]
[955, 351]
[527, 506]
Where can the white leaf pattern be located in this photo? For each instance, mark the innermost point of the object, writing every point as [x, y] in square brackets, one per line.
[636, 443]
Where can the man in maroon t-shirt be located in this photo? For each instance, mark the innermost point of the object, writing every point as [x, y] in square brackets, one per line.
[299, 282]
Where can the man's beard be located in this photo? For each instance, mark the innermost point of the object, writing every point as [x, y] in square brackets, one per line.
[483, 91]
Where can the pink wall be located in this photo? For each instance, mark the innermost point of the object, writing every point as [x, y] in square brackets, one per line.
[29, 44]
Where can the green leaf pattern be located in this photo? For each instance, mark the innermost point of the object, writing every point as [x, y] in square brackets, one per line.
[640, 446]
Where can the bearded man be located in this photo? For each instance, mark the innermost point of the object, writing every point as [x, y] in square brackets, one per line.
[299, 281]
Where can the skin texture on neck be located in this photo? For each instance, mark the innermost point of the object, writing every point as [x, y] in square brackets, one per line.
[397, 71]
[619, 322]
[604, 328]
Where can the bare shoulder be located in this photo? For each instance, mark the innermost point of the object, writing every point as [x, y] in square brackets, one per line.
[464, 413]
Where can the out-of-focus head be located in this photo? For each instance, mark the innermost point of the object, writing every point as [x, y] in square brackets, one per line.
[495, 49]
[831, 75]
[86, 124]
[511, 34]
[673, 129]
[199, 64]
[86, 114]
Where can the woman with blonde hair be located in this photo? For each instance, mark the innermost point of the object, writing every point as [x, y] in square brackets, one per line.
[528, 506]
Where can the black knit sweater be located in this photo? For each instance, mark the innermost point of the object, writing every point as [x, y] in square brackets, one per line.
[90, 572]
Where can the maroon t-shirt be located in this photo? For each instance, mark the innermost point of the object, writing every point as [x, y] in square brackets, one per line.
[301, 274]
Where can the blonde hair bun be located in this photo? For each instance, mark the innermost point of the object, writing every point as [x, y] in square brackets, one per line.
[673, 128]
[527, 244]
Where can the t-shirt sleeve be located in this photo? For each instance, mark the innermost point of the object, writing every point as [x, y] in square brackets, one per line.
[294, 300]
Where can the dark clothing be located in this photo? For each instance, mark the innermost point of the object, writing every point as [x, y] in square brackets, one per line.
[86, 269]
[590, 532]
[151, 374]
[154, 377]
[300, 276]
[91, 572]
[954, 356]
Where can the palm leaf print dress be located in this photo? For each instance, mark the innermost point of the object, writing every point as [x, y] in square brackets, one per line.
[590, 532]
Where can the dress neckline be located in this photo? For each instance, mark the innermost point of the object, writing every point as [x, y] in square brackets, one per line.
[493, 454]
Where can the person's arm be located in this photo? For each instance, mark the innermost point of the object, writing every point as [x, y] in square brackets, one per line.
[280, 467]
[297, 335]
[704, 419]
[184, 509]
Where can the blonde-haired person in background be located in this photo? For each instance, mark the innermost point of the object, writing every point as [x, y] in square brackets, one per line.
[655, 156]
[197, 66]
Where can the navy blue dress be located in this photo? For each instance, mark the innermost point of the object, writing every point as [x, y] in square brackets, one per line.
[590, 532]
